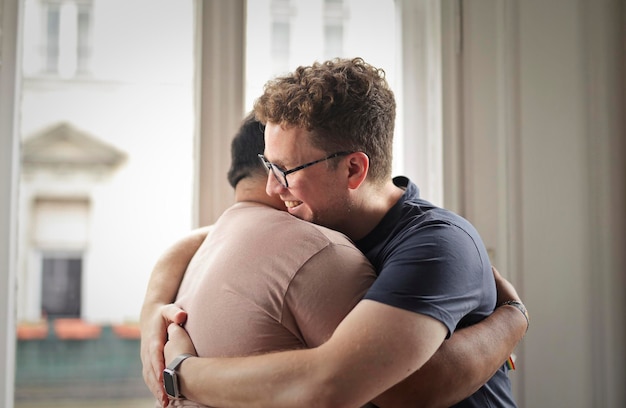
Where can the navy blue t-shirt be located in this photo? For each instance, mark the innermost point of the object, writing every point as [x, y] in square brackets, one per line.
[432, 261]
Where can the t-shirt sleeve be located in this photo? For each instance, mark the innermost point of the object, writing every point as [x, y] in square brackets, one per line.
[324, 291]
[436, 270]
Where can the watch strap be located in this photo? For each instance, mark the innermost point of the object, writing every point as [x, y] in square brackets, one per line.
[173, 365]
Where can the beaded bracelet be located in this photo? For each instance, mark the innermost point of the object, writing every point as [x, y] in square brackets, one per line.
[520, 306]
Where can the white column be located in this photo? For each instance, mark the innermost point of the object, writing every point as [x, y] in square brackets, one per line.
[9, 83]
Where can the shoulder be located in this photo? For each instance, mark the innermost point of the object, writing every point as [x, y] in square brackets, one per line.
[423, 232]
[333, 237]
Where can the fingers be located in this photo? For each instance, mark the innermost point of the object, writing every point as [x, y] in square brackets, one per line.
[178, 343]
[174, 314]
[153, 365]
[159, 366]
[153, 338]
[176, 337]
[173, 330]
[154, 334]
[496, 274]
[505, 290]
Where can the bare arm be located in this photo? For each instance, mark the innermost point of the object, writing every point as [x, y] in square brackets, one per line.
[348, 372]
[462, 365]
[157, 311]
[464, 362]
[367, 354]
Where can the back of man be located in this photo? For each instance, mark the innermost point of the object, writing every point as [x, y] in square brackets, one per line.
[265, 281]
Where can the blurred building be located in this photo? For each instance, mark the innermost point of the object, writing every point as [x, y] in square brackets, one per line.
[107, 152]
[106, 184]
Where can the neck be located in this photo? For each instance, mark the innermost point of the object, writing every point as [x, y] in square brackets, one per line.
[371, 203]
[252, 189]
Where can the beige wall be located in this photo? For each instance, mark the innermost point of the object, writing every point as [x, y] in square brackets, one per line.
[542, 176]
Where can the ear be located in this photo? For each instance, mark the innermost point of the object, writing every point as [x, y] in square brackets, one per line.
[358, 165]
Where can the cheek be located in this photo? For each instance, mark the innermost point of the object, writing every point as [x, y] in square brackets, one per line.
[323, 200]
[312, 201]
[318, 192]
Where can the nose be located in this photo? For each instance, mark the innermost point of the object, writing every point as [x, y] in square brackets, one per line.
[272, 187]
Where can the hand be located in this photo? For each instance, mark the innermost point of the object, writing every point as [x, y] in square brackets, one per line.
[154, 323]
[178, 343]
[506, 291]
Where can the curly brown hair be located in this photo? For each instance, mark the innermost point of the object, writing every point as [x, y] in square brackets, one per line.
[346, 104]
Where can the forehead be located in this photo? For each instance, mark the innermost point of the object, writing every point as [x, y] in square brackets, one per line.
[286, 144]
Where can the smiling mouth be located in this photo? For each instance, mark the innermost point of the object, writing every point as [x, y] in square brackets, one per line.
[292, 204]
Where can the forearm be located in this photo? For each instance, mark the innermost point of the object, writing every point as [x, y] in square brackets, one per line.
[280, 381]
[462, 364]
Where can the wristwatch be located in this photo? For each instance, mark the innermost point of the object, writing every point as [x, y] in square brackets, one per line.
[170, 377]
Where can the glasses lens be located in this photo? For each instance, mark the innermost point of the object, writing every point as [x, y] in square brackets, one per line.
[266, 164]
[279, 175]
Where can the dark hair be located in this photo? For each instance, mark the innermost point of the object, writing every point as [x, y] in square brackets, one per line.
[247, 144]
[346, 104]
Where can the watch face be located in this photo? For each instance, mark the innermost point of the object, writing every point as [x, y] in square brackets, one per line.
[169, 381]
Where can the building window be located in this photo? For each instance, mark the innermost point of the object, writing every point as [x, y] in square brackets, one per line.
[67, 37]
[334, 16]
[61, 283]
[60, 229]
[280, 39]
[333, 40]
[83, 45]
[53, 23]
[280, 35]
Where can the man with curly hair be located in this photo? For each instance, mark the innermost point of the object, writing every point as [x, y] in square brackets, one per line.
[426, 333]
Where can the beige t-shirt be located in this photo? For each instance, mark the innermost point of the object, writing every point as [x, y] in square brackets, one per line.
[264, 281]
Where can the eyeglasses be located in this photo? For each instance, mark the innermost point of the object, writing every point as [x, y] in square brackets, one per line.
[281, 175]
